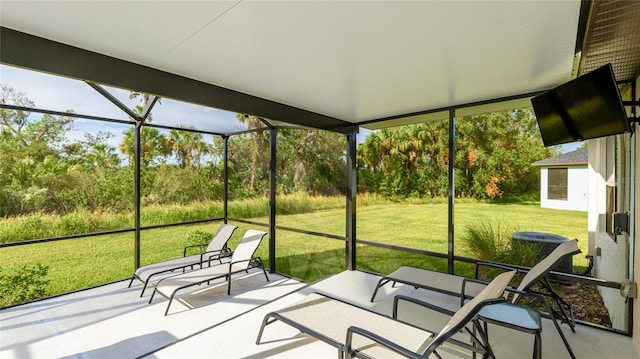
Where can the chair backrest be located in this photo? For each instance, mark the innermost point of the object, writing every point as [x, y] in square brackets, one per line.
[544, 267]
[492, 293]
[222, 236]
[247, 247]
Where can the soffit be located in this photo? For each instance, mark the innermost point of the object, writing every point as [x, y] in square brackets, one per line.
[613, 36]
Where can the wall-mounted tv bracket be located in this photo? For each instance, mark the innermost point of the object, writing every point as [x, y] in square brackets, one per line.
[633, 103]
[634, 116]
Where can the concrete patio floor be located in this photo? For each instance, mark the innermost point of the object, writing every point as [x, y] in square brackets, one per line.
[113, 321]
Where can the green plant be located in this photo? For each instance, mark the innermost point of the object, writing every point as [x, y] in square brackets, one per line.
[491, 241]
[521, 253]
[486, 240]
[198, 237]
[27, 283]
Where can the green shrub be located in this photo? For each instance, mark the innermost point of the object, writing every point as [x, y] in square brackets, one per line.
[487, 240]
[45, 225]
[198, 237]
[492, 242]
[521, 253]
[27, 283]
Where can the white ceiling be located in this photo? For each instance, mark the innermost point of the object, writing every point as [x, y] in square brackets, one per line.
[352, 60]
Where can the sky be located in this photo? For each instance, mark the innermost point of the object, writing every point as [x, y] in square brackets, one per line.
[61, 94]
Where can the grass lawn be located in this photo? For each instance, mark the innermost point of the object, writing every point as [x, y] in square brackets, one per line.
[80, 263]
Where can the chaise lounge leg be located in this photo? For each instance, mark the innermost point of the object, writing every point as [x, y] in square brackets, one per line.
[555, 322]
[381, 282]
[169, 304]
[567, 318]
[144, 287]
[152, 294]
[146, 284]
[264, 324]
[266, 321]
[261, 265]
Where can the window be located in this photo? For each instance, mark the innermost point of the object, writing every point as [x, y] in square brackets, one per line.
[557, 183]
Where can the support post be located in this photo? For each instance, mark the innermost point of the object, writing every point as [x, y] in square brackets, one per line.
[272, 199]
[225, 176]
[351, 194]
[452, 189]
[136, 185]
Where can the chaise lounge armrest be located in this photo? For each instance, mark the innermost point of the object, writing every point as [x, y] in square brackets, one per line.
[506, 267]
[476, 346]
[350, 353]
[184, 252]
[470, 288]
[400, 298]
[186, 248]
[217, 254]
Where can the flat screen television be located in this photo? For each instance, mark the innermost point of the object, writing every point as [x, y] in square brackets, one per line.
[586, 107]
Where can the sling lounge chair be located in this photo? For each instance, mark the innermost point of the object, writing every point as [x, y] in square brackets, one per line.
[422, 278]
[241, 261]
[216, 249]
[559, 309]
[358, 332]
[449, 283]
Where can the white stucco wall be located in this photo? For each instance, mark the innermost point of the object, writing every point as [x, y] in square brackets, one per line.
[577, 189]
[635, 226]
[612, 263]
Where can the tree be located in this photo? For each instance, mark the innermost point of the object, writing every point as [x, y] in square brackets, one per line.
[144, 97]
[399, 158]
[188, 147]
[496, 151]
[253, 122]
[31, 169]
[493, 158]
[93, 151]
[16, 126]
[14, 121]
[154, 146]
[312, 160]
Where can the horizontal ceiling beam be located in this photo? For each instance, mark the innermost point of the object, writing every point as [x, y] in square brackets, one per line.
[37, 53]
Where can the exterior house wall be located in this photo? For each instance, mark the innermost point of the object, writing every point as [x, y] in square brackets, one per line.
[635, 229]
[612, 263]
[617, 260]
[577, 189]
[635, 222]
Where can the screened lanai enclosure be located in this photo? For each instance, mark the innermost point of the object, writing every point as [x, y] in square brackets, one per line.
[359, 135]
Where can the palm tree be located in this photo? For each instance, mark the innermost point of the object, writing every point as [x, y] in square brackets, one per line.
[188, 147]
[154, 144]
[144, 97]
